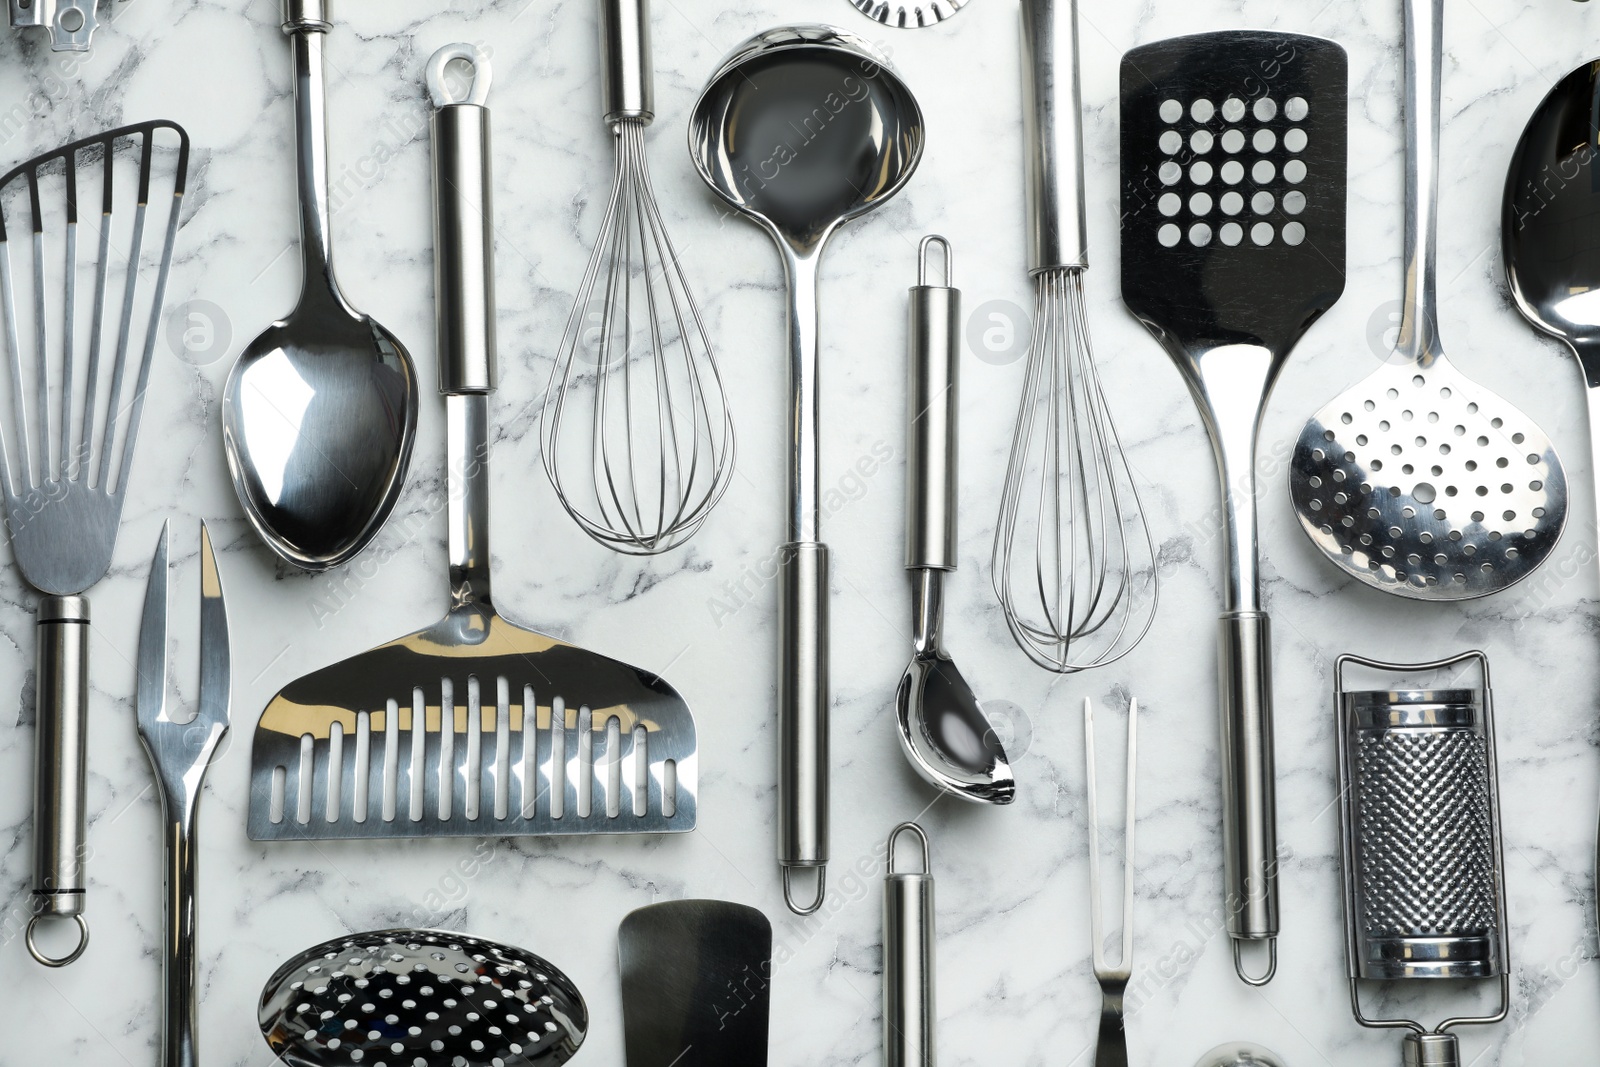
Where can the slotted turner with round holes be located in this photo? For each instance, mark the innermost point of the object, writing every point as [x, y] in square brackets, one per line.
[1416, 481]
[421, 996]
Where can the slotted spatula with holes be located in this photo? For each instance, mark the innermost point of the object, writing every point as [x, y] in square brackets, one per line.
[1233, 213]
[474, 726]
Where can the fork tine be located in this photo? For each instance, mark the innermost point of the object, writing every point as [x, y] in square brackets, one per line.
[1127, 846]
[152, 690]
[215, 660]
[1096, 930]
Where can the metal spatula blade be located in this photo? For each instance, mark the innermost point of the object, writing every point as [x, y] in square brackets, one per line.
[696, 984]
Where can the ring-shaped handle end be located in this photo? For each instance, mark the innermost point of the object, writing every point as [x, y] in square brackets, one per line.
[482, 75]
[58, 961]
[1272, 962]
[788, 891]
[922, 839]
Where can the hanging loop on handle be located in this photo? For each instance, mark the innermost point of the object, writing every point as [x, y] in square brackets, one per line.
[439, 83]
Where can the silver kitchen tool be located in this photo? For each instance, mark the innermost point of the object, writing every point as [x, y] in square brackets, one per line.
[1111, 1048]
[180, 749]
[1417, 481]
[1547, 237]
[71, 22]
[475, 726]
[77, 385]
[767, 93]
[908, 14]
[320, 411]
[636, 433]
[946, 736]
[696, 984]
[1233, 228]
[1419, 814]
[1240, 1054]
[421, 997]
[910, 1007]
[1073, 563]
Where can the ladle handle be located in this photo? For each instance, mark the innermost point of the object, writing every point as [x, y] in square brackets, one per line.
[932, 410]
[1052, 117]
[627, 84]
[305, 22]
[1424, 29]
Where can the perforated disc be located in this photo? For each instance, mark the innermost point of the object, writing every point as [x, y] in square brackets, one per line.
[1421, 484]
[908, 14]
[401, 998]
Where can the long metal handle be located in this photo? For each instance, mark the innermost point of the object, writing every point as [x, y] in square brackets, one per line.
[627, 85]
[60, 882]
[180, 1009]
[305, 22]
[1052, 116]
[1424, 29]
[933, 404]
[803, 717]
[909, 1008]
[1249, 816]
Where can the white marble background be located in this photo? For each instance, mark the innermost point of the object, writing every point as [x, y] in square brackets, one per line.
[1015, 984]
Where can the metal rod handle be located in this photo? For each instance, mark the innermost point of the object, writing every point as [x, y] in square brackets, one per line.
[1424, 52]
[60, 881]
[180, 963]
[933, 407]
[1249, 816]
[909, 1009]
[463, 232]
[803, 716]
[1052, 116]
[306, 21]
[627, 84]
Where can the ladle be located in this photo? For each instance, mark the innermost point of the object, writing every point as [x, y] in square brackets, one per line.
[319, 414]
[803, 128]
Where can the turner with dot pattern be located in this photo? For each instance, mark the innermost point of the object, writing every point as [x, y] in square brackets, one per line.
[1233, 244]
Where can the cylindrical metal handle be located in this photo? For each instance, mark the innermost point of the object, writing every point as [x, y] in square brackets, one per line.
[933, 408]
[463, 242]
[1249, 816]
[1431, 1050]
[627, 85]
[61, 678]
[180, 964]
[803, 714]
[909, 1008]
[1424, 54]
[1052, 116]
[310, 15]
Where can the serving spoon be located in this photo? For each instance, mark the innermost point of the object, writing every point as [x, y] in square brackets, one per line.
[320, 411]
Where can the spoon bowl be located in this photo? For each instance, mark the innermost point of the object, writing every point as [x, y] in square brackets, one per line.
[946, 735]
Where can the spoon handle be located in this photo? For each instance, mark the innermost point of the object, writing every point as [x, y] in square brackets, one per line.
[1424, 28]
[933, 408]
[305, 22]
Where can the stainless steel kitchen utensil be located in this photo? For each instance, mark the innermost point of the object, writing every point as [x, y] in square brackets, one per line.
[1233, 223]
[71, 22]
[1240, 1054]
[945, 734]
[1111, 1048]
[474, 726]
[759, 143]
[636, 432]
[1419, 814]
[908, 14]
[696, 984]
[421, 997]
[180, 749]
[1547, 237]
[68, 445]
[910, 1007]
[320, 411]
[1417, 481]
[1073, 563]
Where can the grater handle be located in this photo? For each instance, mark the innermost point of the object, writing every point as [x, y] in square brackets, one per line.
[1424, 28]
[1052, 115]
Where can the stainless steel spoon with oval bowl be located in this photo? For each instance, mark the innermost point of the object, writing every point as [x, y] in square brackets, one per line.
[801, 129]
[320, 411]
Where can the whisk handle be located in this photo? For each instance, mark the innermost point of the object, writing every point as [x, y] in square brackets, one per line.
[627, 83]
[803, 712]
[1249, 816]
[1052, 116]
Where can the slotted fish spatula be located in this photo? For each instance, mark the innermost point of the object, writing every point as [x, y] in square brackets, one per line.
[474, 726]
[1233, 216]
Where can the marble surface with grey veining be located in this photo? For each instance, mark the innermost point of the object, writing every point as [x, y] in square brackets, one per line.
[1015, 986]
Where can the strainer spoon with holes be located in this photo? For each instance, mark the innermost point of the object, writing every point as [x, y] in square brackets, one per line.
[1417, 481]
[421, 996]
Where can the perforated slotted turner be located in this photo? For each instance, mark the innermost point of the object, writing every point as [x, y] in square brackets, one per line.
[474, 726]
[1233, 215]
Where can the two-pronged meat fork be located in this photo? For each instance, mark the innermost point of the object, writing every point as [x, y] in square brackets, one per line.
[180, 750]
[1112, 1047]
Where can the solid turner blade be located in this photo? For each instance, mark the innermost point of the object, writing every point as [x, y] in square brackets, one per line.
[696, 983]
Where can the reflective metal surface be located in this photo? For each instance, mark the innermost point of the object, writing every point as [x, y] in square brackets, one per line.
[1417, 481]
[908, 14]
[696, 984]
[943, 730]
[1111, 1047]
[910, 944]
[180, 748]
[66, 468]
[320, 411]
[474, 726]
[421, 996]
[1240, 1054]
[803, 128]
[1229, 292]
[71, 22]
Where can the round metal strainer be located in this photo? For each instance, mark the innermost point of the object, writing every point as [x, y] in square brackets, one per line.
[420, 998]
[908, 14]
